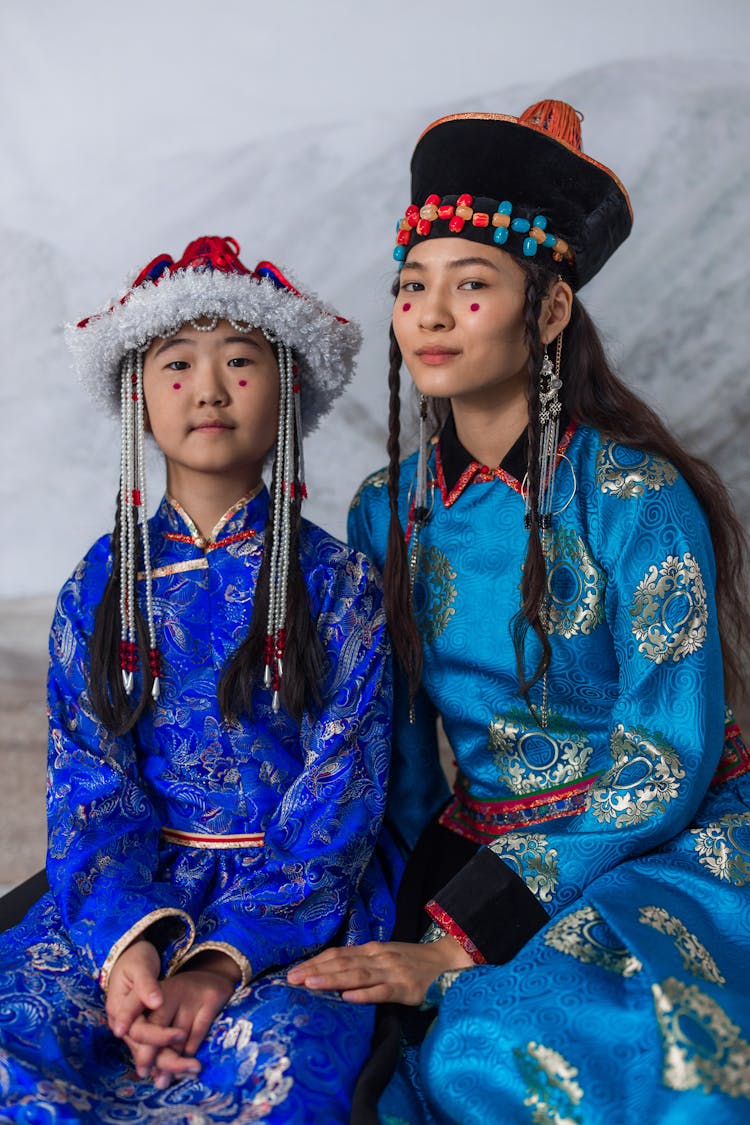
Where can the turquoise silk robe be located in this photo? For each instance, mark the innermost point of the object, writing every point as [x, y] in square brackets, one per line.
[254, 837]
[606, 906]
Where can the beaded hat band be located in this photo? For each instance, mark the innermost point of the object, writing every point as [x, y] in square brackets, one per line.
[521, 183]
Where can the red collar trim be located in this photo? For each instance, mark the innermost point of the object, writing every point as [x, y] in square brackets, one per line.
[475, 473]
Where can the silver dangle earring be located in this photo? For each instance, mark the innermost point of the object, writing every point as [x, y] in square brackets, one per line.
[550, 409]
[420, 498]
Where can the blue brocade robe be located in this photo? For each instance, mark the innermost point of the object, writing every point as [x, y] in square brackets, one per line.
[607, 905]
[254, 837]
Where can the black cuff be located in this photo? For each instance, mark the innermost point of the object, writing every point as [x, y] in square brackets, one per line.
[489, 903]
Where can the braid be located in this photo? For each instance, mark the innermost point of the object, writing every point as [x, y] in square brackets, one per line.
[404, 633]
[534, 580]
[106, 690]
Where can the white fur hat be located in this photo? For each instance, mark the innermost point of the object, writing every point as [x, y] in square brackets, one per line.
[210, 280]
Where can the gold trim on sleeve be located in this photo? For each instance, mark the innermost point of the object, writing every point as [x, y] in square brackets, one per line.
[137, 930]
[239, 959]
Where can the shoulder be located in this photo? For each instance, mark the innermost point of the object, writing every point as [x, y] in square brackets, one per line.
[373, 490]
[327, 560]
[81, 593]
[630, 492]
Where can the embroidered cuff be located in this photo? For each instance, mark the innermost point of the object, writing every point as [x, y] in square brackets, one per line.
[239, 959]
[172, 932]
[488, 909]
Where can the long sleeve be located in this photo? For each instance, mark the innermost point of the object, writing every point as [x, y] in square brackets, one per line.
[103, 835]
[662, 740]
[320, 838]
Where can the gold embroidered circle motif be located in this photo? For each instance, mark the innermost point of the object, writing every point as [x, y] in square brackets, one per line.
[669, 610]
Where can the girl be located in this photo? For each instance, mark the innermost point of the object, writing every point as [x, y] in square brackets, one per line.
[219, 724]
[570, 587]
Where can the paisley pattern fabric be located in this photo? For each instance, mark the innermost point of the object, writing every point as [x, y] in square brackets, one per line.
[627, 817]
[254, 836]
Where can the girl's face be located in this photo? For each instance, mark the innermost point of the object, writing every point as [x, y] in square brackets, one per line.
[458, 319]
[212, 402]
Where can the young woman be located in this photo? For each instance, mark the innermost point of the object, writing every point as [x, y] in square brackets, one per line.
[219, 728]
[566, 591]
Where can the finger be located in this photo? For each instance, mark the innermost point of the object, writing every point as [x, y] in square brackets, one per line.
[201, 1024]
[143, 1057]
[376, 994]
[337, 956]
[171, 1062]
[150, 1034]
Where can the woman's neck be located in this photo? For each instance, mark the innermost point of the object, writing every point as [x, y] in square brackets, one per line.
[489, 431]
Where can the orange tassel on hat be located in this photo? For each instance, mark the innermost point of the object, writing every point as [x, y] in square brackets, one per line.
[558, 119]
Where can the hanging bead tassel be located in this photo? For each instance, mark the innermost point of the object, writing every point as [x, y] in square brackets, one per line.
[133, 515]
[128, 644]
[286, 482]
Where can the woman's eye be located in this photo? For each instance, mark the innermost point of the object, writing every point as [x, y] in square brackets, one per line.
[412, 287]
[178, 365]
[239, 361]
[472, 285]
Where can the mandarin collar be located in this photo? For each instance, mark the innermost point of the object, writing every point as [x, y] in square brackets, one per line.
[246, 518]
[456, 468]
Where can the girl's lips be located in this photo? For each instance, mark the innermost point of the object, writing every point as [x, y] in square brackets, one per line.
[215, 425]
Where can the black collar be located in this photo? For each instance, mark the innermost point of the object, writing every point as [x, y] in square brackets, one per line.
[456, 459]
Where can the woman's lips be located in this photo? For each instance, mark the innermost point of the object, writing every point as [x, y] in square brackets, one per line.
[435, 356]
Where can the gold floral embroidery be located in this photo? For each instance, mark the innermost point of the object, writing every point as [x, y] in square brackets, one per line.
[375, 480]
[434, 593]
[575, 586]
[695, 957]
[585, 935]
[714, 1056]
[724, 848]
[645, 777]
[528, 759]
[669, 610]
[626, 472]
[530, 855]
[553, 1092]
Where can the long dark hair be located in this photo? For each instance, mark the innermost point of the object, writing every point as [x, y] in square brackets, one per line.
[304, 657]
[594, 396]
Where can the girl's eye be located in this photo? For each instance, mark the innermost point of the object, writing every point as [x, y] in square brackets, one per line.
[412, 287]
[178, 365]
[239, 361]
[473, 285]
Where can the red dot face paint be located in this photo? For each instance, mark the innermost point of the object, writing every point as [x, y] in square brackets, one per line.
[176, 386]
[243, 382]
[405, 307]
[474, 307]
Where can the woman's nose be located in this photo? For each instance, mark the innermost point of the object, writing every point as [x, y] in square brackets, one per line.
[435, 313]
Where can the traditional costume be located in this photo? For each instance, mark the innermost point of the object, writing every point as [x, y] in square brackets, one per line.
[253, 837]
[594, 857]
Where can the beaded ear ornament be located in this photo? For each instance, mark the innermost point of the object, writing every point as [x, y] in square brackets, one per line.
[419, 220]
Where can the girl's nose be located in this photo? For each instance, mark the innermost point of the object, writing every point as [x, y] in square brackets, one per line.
[211, 387]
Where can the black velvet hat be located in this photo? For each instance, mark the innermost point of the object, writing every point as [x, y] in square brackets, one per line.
[521, 183]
